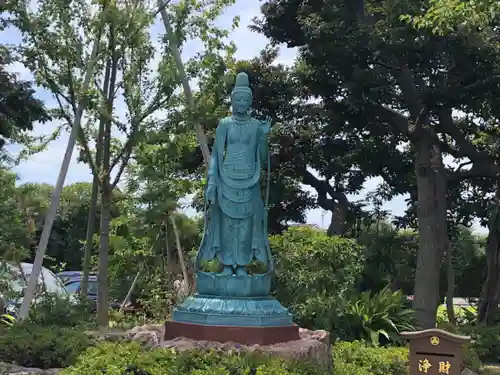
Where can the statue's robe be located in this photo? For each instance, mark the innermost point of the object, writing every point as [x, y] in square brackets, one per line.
[235, 232]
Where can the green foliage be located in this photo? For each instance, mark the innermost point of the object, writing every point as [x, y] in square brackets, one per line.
[448, 16]
[463, 316]
[14, 231]
[114, 358]
[390, 257]
[315, 274]
[485, 341]
[372, 316]
[51, 310]
[32, 345]
[19, 108]
[471, 358]
[355, 358]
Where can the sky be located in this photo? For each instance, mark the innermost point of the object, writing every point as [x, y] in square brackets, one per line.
[44, 166]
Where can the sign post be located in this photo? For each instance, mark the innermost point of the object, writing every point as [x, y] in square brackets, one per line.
[435, 352]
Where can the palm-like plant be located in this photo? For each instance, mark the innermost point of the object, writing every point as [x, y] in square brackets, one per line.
[371, 316]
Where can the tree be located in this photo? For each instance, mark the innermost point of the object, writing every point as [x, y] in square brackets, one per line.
[129, 53]
[400, 86]
[477, 21]
[76, 129]
[304, 142]
[15, 234]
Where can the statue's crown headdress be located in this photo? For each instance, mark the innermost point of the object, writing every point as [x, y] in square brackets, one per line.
[242, 83]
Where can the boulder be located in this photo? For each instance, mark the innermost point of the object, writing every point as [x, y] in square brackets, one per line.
[148, 335]
[7, 369]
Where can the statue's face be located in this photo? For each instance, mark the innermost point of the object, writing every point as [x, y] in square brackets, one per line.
[241, 102]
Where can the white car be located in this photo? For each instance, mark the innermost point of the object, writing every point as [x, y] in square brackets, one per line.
[16, 278]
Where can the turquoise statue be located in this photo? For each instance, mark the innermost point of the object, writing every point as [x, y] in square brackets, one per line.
[235, 232]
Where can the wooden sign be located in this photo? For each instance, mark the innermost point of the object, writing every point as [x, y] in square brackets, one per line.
[435, 352]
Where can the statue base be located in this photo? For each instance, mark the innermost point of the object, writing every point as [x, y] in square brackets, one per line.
[241, 335]
[247, 321]
[232, 311]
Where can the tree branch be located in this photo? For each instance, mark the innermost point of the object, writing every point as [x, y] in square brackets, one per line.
[81, 135]
[481, 159]
[323, 188]
[71, 88]
[125, 153]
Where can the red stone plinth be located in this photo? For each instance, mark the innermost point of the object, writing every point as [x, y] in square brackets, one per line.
[240, 335]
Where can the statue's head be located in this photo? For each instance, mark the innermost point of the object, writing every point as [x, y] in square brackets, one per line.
[241, 96]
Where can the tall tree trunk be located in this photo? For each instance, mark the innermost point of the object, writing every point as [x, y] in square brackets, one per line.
[337, 204]
[56, 195]
[91, 220]
[338, 223]
[87, 252]
[102, 277]
[102, 297]
[488, 304]
[450, 291]
[172, 42]
[185, 286]
[433, 236]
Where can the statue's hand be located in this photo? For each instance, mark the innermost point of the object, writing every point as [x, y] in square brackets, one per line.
[210, 193]
[266, 126]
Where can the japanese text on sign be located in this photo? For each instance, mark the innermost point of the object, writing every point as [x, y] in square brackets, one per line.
[443, 366]
[424, 365]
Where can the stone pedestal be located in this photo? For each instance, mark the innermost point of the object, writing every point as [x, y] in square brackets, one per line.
[232, 311]
[245, 320]
[313, 346]
[240, 335]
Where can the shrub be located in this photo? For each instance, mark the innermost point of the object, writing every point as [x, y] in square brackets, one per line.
[463, 315]
[54, 310]
[371, 317]
[113, 358]
[485, 341]
[471, 359]
[315, 272]
[32, 345]
[356, 358]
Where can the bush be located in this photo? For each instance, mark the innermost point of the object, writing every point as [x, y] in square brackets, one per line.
[31, 345]
[54, 310]
[463, 315]
[113, 358]
[356, 358]
[315, 273]
[372, 317]
[485, 341]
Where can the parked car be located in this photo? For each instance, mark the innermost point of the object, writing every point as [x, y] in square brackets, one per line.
[66, 275]
[16, 277]
[73, 285]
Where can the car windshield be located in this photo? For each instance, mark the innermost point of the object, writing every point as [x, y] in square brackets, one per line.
[52, 283]
[92, 287]
[74, 286]
[17, 282]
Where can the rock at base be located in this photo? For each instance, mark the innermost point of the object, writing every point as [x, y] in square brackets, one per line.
[313, 346]
[6, 369]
